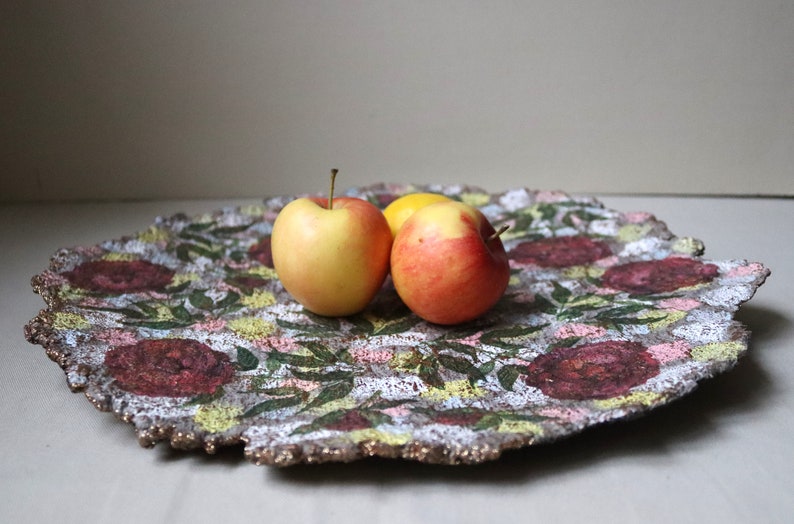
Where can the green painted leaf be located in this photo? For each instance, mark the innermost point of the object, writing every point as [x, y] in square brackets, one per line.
[181, 313]
[428, 372]
[320, 422]
[329, 393]
[129, 313]
[490, 420]
[195, 238]
[376, 417]
[456, 347]
[634, 321]
[291, 359]
[148, 310]
[400, 326]
[223, 231]
[507, 376]
[572, 313]
[561, 294]
[621, 311]
[542, 304]
[361, 326]
[199, 226]
[203, 251]
[331, 323]
[183, 252]
[461, 365]
[547, 211]
[272, 404]
[280, 391]
[321, 352]
[319, 376]
[199, 300]
[317, 324]
[246, 360]
[230, 299]
[497, 337]
[487, 367]
[239, 256]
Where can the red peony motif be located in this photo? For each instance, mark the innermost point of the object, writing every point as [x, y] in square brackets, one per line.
[261, 252]
[592, 371]
[560, 251]
[120, 276]
[658, 276]
[169, 367]
[350, 421]
[458, 417]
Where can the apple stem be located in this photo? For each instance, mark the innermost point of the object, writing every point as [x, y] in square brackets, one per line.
[497, 233]
[331, 192]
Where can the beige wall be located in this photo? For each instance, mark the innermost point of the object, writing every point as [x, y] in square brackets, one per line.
[142, 99]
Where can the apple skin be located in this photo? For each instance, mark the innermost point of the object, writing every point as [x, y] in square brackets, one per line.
[332, 261]
[442, 267]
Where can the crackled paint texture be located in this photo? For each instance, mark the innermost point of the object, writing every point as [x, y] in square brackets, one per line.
[184, 331]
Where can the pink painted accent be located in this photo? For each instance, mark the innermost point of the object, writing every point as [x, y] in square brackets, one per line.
[670, 352]
[679, 304]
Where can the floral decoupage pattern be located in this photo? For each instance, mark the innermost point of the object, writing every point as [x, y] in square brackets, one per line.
[184, 331]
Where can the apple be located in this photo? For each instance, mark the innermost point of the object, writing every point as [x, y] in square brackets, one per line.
[448, 263]
[331, 255]
[402, 208]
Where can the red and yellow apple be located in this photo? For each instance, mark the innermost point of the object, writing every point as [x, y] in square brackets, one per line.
[331, 255]
[448, 263]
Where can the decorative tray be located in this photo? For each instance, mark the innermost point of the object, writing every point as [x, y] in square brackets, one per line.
[183, 331]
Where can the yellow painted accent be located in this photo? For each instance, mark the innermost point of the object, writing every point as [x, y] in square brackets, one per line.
[454, 388]
[163, 313]
[391, 439]
[633, 232]
[217, 418]
[259, 299]
[346, 403]
[253, 210]
[251, 328]
[645, 398]
[579, 272]
[181, 278]
[688, 246]
[717, 351]
[153, 235]
[592, 300]
[125, 257]
[69, 321]
[665, 318]
[520, 426]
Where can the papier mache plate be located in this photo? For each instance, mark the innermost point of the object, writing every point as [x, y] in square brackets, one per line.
[184, 331]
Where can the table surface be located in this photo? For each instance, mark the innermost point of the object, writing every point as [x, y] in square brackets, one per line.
[722, 454]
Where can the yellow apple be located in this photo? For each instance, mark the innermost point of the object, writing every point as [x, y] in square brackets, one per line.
[448, 263]
[398, 211]
[331, 255]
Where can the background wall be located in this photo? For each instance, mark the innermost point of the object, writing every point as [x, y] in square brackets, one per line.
[148, 99]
